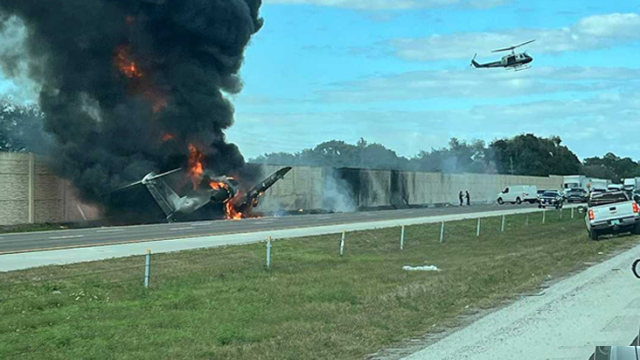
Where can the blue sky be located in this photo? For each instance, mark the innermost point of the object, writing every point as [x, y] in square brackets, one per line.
[397, 72]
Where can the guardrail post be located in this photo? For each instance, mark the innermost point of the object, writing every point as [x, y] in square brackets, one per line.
[572, 213]
[478, 228]
[147, 268]
[503, 221]
[442, 232]
[526, 221]
[269, 253]
[544, 213]
[342, 243]
[561, 213]
[402, 238]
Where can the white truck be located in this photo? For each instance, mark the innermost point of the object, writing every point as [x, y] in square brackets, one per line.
[615, 187]
[518, 194]
[612, 213]
[631, 184]
[584, 182]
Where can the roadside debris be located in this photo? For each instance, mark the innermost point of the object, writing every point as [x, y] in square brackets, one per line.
[420, 268]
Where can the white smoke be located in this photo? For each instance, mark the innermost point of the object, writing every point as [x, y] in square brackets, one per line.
[337, 196]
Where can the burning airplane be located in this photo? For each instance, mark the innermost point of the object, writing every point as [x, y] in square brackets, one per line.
[221, 192]
[130, 87]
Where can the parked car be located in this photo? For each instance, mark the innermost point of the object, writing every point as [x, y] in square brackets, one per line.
[612, 213]
[518, 194]
[576, 195]
[551, 198]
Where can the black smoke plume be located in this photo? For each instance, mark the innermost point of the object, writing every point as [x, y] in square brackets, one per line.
[127, 85]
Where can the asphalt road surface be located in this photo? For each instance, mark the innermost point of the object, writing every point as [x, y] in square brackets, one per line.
[64, 239]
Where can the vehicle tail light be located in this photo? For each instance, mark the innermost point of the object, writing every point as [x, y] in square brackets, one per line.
[636, 209]
[591, 215]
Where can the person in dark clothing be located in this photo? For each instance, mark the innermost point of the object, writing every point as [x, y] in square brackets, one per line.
[468, 198]
[461, 198]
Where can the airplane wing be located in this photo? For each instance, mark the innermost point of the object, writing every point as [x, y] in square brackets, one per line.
[253, 194]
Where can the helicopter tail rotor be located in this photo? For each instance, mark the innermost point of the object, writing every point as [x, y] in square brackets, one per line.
[473, 61]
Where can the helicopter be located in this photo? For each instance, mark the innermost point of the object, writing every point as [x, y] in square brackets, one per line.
[513, 61]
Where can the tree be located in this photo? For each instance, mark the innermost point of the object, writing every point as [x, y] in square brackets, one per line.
[612, 167]
[21, 127]
[528, 154]
[458, 157]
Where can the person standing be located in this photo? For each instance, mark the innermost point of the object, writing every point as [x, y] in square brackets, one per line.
[461, 198]
[468, 198]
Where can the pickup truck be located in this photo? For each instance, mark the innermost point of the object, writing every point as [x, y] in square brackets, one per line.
[612, 212]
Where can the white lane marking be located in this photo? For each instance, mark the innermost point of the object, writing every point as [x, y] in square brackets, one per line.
[65, 237]
[110, 230]
[182, 228]
[202, 224]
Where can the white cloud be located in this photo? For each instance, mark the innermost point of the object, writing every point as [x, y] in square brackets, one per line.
[591, 126]
[611, 25]
[472, 83]
[592, 32]
[392, 4]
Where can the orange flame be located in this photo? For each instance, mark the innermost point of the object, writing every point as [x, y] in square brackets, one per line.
[128, 67]
[231, 212]
[167, 137]
[125, 63]
[216, 185]
[195, 165]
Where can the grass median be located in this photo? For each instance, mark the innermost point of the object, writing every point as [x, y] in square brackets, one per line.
[222, 303]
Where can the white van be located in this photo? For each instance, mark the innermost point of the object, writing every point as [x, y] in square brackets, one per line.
[517, 194]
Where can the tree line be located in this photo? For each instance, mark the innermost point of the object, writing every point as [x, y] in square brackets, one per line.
[525, 154]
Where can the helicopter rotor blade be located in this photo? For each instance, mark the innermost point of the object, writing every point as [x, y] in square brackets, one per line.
[525, 43]
[504, 49]
[514, 47]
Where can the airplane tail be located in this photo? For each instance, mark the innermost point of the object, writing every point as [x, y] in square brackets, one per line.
[161, 192]
[150, 176]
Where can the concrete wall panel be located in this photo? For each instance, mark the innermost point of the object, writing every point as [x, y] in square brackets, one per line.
[14, 187]
[13, 212]
[49, 211]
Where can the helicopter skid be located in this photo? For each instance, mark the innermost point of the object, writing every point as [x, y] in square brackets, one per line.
[519, 68]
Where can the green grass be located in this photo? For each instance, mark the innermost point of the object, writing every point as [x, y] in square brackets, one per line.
[313, 304]
[4, 229]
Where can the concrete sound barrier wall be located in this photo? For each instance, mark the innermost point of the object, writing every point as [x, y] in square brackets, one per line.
[306, 188]
[31, 193]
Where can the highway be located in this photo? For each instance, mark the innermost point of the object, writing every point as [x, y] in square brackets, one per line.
[65, 239]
